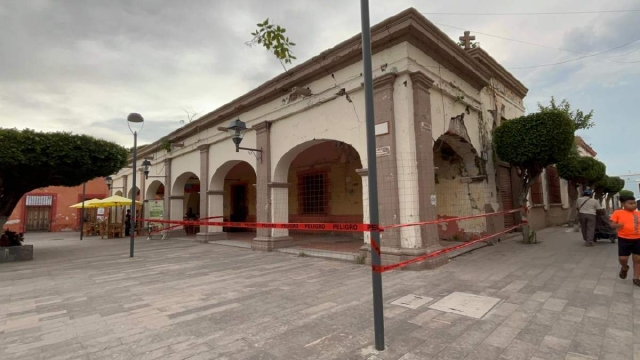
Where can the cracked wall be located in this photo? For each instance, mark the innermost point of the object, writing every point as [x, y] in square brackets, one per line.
[457, 195]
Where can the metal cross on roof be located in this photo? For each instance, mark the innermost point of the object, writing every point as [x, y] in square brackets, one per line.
[466, 39]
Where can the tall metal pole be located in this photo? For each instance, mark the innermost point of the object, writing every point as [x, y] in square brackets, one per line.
[376, 277]
[132, 225]
[84, 191]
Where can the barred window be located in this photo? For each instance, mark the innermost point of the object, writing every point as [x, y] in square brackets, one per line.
[553, 182]
[312, 193]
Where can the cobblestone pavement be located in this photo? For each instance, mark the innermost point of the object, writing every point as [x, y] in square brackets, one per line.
[180, 299]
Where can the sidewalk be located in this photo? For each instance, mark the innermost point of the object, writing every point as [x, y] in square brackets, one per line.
[178, 300]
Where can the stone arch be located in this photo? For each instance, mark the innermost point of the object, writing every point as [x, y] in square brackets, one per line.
[323, 183]
[190, 197]
[455, 144]
[460, 187]
[153, 189]
[181, 181]
[280, 173]
[217, 180]
[131, 193]
[233, 193]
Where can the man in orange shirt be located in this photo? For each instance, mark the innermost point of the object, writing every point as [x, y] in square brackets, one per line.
[627, 221]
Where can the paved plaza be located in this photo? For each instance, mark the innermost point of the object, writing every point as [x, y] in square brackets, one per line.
[179, 299]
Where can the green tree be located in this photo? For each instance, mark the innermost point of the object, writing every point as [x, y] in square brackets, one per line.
[31, 160]
[579, 170]
[531, 143]
[626, 193]
[614, 185]
[581, 121]
[272, 37]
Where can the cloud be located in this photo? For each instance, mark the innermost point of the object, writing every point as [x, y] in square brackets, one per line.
[83, 66]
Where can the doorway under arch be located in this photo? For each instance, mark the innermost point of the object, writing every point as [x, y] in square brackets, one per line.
[324, 186]
[236, 179]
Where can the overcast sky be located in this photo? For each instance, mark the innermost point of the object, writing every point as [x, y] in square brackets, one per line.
[82, 66]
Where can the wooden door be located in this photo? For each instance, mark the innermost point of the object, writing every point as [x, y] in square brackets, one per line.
[506, 193]
[38, 218]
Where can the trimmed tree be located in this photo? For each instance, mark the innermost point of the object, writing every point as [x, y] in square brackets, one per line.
[579, 170]
[614, 185]
[531, 143]
[31, 160]
[627, 193]
[600, 188]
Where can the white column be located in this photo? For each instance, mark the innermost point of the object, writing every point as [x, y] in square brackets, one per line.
[364, 174]
[406, 162]
[545, 189]
[564, 193]
[279, 207]
[177, 209]
[216, 208]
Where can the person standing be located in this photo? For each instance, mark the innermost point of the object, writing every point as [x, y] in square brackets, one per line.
[127, 223]
[627, 222]
[587, 209]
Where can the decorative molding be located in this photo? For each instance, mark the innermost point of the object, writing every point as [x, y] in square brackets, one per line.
[362, 172]
[204, 147]
[279, 185]
[167, 162]
[384, 81]
[262, 127]
[216, 192]
[176, 197]
[420, 79]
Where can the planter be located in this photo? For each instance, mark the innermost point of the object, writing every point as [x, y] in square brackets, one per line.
[16, 253]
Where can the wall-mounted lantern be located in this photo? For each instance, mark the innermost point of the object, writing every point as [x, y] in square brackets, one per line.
[237, 129]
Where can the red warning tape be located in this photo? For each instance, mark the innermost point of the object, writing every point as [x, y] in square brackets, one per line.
[342, 227]
[439, 221]
[383, 268]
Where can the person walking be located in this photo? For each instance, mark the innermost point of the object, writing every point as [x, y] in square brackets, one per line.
[627, 222]
[587, 209]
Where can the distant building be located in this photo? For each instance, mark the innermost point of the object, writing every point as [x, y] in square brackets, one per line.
[48, 209]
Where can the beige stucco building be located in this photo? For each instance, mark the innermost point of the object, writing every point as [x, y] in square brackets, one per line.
[435, 107]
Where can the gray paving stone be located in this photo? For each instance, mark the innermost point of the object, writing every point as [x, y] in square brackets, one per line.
[179, 300]
[586, 344]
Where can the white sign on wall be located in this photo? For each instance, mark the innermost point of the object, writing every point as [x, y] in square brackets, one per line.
[382, 128]
[383, 151]
[154, 209]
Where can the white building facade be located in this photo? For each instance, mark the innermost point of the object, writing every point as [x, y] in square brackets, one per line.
[435, 107]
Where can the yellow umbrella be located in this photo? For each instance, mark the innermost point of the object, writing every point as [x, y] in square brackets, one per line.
[88, 204]
[115, 200]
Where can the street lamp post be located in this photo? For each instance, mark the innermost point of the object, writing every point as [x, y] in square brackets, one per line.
[84, 191]
[136, 119]
[376, 277]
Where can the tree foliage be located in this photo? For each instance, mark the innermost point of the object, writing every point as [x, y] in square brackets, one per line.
[272, 38]
[30, 160]
[581, 121]
[582, 170]
[614, 185]
[626, 193]
[533, 142]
